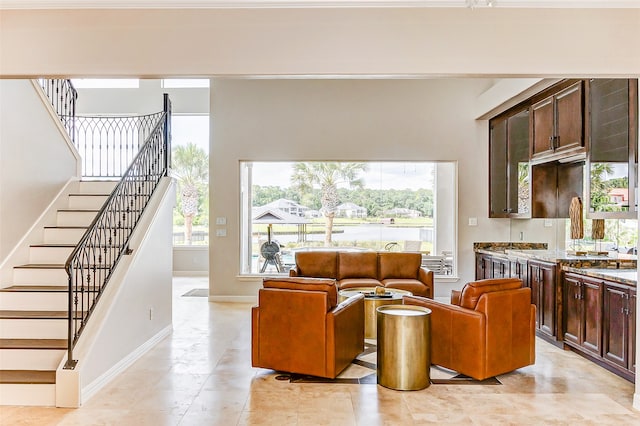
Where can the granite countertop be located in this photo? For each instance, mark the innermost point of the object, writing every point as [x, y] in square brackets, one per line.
[625, 276]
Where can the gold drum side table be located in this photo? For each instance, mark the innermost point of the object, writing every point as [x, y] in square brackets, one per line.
[404, 347]
[371, 303]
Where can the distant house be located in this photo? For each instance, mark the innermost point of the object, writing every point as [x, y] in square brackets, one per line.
[351, 210]
[402, 212]
[287, 206]
[619, 196]
[311, 213]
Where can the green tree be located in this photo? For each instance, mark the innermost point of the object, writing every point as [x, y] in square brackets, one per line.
[327, 176]
[191, 168]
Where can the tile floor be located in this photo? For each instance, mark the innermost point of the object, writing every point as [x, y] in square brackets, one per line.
[202, 375]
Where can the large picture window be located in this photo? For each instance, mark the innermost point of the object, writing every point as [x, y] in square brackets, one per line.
[190, 167]
[381, 206]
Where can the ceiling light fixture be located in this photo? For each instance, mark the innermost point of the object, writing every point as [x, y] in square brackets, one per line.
[472, 4]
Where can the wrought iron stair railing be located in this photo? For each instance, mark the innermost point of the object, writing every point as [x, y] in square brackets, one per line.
[106, 241]
[63, 97]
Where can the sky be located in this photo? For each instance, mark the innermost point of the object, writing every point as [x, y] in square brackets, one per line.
[380, 175]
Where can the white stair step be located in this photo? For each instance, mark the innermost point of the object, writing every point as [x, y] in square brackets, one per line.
[63, 235]
[34, 301]
[87, 201]
[45, 253]
[40, 275]
[75, 217]
[28, 395]
[33, 328]
[97, 186]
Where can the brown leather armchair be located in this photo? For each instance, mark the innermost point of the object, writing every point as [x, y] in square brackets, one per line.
[299, 327]
[487, 330]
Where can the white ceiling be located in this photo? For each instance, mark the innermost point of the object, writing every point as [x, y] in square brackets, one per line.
[138, 4]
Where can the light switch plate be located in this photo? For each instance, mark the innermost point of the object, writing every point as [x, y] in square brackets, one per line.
[548, 223]
[473, 221]
[221, 232]
[221, 220]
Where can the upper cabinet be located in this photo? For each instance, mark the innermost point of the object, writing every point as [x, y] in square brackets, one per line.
[542, 150]
[557, 125]
[612, 155]
[509, 165]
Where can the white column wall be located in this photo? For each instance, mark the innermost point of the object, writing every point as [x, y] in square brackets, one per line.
[35, 161]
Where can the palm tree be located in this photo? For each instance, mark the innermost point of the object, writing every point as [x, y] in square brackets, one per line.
[191, 167]
[328, 176]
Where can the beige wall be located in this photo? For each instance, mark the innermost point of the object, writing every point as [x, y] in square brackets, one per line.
[383, 41]
[408, 120]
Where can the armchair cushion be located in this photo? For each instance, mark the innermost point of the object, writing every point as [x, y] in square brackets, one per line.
[327, 285]
[472, 291]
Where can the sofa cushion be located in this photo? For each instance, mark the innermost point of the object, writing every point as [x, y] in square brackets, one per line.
[326, 285]
[472, 291]
[416, 287]
[358, 282]
[398, 265]
[357, 265]
[319, 264]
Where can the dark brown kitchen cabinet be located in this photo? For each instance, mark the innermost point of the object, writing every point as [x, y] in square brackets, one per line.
[483, 266]
[518, 269]
[557, 125]
[553, 186]
[582, 312]
[509, 165]
[612, 148]
[542, 280]
[618, 343]
[499, 267]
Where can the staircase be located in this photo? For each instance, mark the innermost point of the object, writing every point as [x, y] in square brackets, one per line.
[33, 308]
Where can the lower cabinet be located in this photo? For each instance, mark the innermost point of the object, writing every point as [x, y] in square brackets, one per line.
[618, 343]
[599, 321]
[582, 322]
[542, 280]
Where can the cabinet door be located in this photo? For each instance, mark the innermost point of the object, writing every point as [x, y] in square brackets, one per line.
[632, 330]
[498, 168]
[591, 297]
[569, 125]
[548, 299]
[499, 268]
[534, 282]
[483, 266]
[542, 127]
[612, 148]
[518, 185]
[572, 323]
[616, 330]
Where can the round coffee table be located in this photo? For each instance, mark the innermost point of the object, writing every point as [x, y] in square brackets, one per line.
[372, 301]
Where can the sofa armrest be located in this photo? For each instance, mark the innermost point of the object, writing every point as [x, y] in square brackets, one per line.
[426, 277]
[293, 272]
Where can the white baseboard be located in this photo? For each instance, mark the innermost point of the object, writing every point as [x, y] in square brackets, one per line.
[636, 401]
[93, 387]
[234, 299]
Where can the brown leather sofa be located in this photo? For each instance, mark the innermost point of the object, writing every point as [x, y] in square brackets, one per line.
[367, 269]
[299, 327]
[487, 330]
